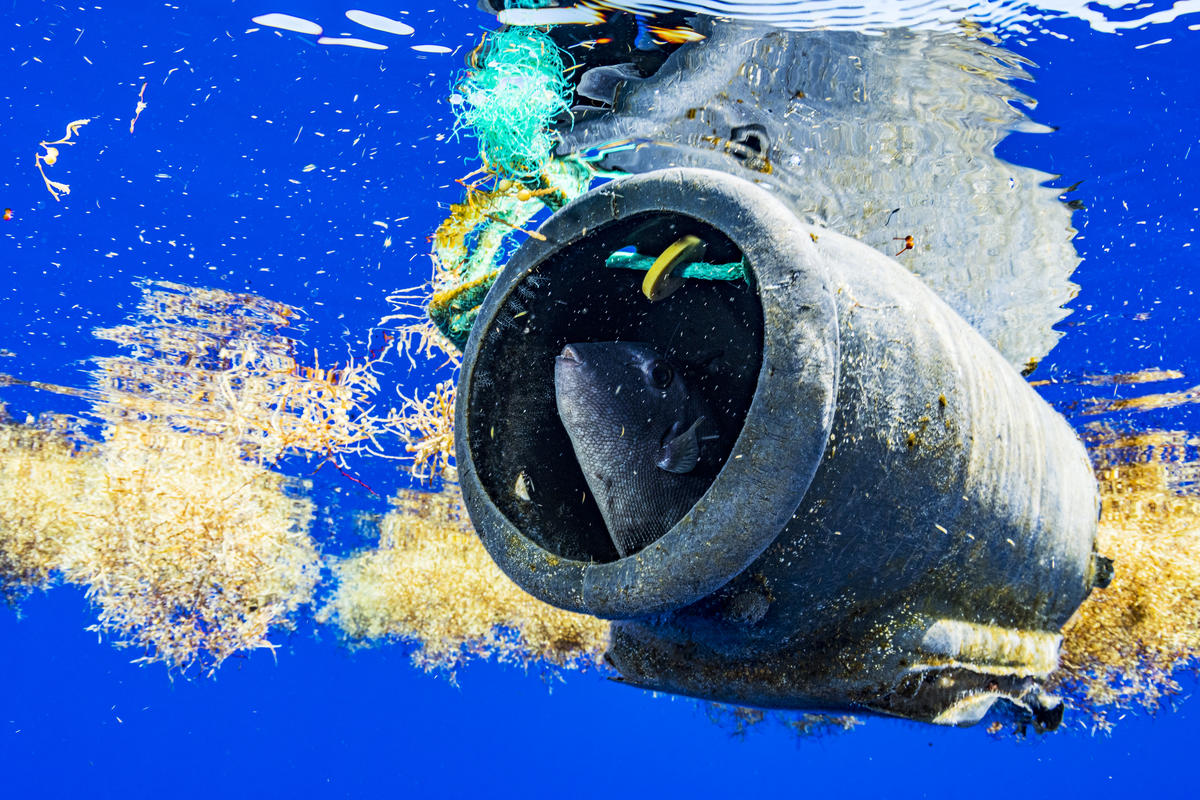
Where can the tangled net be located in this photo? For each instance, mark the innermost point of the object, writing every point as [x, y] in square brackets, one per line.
[514, 89]
[509, 96]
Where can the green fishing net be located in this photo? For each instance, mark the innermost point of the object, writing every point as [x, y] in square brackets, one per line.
[509, 97]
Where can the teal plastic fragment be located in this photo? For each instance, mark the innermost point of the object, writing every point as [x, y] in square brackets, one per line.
[735, 270]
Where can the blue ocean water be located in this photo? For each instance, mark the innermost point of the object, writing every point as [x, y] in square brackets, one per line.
[210, 189]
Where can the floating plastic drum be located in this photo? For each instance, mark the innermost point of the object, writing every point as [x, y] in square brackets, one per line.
[901, 525]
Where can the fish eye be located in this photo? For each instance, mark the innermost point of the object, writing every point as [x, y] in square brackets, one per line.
[661, 375]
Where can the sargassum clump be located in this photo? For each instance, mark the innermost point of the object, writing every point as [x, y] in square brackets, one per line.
[1124, 644]
[432, 582]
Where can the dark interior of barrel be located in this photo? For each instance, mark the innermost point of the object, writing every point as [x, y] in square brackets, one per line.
[713, 329]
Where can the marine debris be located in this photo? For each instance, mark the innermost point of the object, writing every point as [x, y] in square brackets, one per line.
[509, 98]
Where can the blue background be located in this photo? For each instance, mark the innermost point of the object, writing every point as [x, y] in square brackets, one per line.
[229, 128]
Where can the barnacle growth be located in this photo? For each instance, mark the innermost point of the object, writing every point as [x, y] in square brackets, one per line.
[1126, 642]
[431, 581]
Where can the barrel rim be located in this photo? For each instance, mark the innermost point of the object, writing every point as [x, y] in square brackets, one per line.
[755, 493]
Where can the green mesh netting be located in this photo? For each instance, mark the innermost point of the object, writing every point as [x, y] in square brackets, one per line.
[732, 271]
[508, 99]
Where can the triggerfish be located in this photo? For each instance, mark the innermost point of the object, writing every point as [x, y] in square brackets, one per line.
[645, 440]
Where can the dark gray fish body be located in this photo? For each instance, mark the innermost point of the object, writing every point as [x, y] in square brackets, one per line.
[642, 437]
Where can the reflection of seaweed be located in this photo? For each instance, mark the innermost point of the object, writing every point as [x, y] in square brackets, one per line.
[431, 581]
[1106, 405]
[216, 363]
[1122, 647]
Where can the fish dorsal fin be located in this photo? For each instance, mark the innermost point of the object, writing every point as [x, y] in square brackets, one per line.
[680, 454]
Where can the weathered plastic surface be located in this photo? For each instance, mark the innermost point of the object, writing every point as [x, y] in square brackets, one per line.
[903, 524]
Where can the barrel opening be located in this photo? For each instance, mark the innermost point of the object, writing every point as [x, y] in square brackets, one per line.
[713, 328]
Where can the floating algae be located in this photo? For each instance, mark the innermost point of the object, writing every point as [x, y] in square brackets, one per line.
[193, 547]
[431, 581]
[49, 157]
[189, 551]
[45, 482]
[189, 545]
[1123, 648]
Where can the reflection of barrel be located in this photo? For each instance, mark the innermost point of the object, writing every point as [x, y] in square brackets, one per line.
[902, 524]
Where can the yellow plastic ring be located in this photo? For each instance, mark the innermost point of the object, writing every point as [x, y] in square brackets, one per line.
[662, 279]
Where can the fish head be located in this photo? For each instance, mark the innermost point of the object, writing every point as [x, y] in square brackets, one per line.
[639, 434]
[620, 390]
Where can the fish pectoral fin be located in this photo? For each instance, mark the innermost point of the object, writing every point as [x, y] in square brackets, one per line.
[682, 452]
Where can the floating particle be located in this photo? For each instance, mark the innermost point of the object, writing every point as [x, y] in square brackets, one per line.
[50, 157]
[431, 48]
[287, 22]
[141, 106]
[379, 22]
[349, 41]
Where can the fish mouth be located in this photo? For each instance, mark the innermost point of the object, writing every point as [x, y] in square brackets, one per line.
[569, 356]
